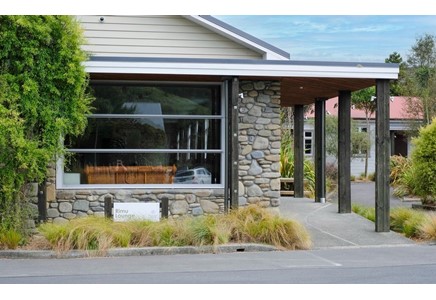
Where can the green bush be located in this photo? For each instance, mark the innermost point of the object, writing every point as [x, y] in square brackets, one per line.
[424, 163]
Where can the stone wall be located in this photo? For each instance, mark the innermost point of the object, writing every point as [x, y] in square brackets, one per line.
[259, 143]
[259, 168]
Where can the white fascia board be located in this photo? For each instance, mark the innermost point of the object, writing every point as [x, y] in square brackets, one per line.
[242, 69]
[268, 54]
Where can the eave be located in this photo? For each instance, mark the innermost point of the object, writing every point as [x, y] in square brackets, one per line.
[302, 82]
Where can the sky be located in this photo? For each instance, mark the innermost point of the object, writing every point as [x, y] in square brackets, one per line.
[357, 38]
[309, 30]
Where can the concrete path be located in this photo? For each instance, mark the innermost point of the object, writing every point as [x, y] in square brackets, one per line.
[328, 228]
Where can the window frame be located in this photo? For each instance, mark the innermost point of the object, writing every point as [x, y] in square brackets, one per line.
[222, 117]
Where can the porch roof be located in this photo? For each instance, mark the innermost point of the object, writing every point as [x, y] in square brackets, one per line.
[302, 82]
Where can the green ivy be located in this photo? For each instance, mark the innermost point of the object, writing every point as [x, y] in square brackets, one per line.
[42, 98]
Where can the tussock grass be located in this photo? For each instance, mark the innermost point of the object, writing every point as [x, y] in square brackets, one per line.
[90, 233]
[252, 224]
[412, 223]
[427, 230]
[10, 239]
[406, 220]
[364, 211]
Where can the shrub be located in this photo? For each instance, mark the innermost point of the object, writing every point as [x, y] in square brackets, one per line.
[398, 164]
[424, 163]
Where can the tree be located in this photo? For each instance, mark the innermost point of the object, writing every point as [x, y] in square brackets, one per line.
[364, 100]
[420, 79]
[395, 86]
[42, 98]
[359, 140]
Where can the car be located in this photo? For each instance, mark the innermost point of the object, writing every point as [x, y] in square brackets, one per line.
[193, 176]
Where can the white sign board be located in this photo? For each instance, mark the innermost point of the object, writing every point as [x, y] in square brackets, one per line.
[136, 211]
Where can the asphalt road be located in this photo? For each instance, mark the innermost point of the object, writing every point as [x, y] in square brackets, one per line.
[370, 265]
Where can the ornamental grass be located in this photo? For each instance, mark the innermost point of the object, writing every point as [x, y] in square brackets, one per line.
[251, 224]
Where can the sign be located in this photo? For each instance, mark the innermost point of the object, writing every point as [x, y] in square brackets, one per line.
[136, 211]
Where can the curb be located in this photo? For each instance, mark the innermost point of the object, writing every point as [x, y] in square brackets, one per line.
[146, 251]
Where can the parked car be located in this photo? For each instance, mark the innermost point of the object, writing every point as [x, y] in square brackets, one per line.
[192, 176]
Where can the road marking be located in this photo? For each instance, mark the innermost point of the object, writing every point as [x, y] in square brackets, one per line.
[323, 231]
[326, 260]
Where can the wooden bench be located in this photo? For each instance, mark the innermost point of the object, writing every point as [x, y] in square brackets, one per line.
[289, 191]
[130, 174]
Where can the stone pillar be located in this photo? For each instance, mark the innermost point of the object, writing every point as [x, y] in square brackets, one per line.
[259, 141]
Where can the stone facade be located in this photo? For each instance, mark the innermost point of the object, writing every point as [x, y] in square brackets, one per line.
[259, 168]
[259, 143]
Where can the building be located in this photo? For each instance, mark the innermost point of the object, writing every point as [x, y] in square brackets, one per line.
[174, 93]
[400, 124]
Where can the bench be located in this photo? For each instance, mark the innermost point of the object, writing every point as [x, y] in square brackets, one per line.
[287, 187]
[130, 174]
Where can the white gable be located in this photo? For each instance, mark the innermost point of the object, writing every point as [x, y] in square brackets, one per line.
[160, 36]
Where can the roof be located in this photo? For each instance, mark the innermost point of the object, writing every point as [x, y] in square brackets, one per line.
[269, 51]
[302, 82]
[397, 109]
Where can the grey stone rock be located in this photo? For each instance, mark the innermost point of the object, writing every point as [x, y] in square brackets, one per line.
[52, 213]
[69, 216]
[255, 111]
[247, 149]
[255, 169]
[254, 191]
[197, 211]
[209, 207]
[81, 205]
[179, 207]
[263, 121]
[65, 207]
[257, 154]
[260, 143]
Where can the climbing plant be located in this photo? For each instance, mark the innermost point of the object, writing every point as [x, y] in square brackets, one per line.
[42, 98]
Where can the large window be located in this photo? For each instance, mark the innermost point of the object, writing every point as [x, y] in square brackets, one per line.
[150, 134]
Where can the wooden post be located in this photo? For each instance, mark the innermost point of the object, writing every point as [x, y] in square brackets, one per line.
[231, 180]
[344, 152]
[299, 151]
[320, 159]
[108, 205]
[164, 205]
[235, 145]
[382, 158]
[42, 202]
